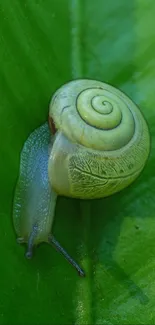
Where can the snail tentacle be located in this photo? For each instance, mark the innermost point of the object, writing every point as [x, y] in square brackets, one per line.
[59, 248]
[31, 241]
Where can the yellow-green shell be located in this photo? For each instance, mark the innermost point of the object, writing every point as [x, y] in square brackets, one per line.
[103, 140]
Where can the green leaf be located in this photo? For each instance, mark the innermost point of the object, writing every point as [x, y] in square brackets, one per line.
[44, 44]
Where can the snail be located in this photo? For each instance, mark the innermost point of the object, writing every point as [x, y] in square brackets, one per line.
[99, 145]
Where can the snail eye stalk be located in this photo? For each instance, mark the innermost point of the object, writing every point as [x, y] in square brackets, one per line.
[59, 248]
[31, 241]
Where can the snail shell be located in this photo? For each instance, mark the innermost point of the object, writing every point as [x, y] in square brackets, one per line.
[102, 142]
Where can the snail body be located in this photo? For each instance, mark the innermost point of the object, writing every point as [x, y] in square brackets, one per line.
[33, 192]
[100, 146]
[35, 200]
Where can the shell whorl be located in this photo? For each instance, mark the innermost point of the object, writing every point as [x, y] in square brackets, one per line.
[95, 115]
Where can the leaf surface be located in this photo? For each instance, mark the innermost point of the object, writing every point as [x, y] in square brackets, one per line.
[44, 44]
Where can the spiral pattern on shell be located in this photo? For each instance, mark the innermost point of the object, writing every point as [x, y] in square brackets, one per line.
[95, 115]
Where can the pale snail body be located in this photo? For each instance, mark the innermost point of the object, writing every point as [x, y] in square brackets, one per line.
[81, 160]
[34, 197]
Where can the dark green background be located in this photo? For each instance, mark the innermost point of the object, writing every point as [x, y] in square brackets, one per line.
[43, 44]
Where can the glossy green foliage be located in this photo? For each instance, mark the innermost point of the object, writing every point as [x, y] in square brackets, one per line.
[44, 44]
